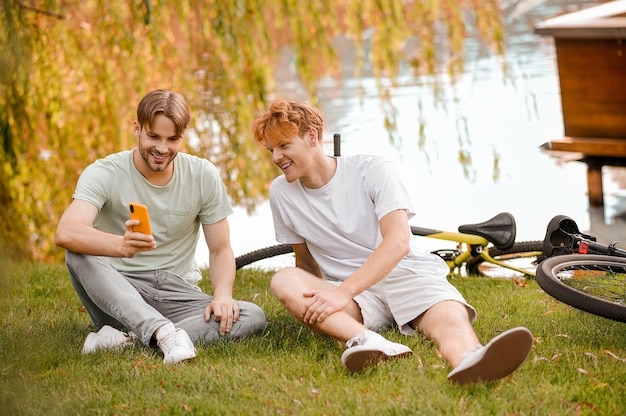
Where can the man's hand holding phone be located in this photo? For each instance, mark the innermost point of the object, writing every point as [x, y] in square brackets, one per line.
[138, 236]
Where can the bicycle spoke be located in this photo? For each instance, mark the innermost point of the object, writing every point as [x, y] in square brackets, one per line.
[589, 282]
[602, 281]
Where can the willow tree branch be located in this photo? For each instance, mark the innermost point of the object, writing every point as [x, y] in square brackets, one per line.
[40, 11]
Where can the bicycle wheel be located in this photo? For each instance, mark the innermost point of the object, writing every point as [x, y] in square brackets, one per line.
[261, 254]
[589, 282]
[525, 255]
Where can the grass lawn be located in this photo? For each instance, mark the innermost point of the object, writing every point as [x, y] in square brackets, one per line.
[577, 365]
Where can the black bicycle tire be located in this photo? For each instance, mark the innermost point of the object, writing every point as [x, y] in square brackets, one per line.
[262, 254]
[473, 264]
[547, 278]
[280, 249]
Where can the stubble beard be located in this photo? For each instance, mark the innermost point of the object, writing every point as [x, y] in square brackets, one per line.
[146, 154]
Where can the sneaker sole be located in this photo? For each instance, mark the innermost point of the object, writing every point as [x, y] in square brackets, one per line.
[180, 360]
[505, 353]
[90, 346]
[357, 360]
[172, 362]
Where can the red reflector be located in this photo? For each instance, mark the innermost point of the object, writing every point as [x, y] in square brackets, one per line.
[583, 247]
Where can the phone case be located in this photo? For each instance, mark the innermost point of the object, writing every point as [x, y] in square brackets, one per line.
[140, 212]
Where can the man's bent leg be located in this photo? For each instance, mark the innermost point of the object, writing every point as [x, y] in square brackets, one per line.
[364, 347]
[184, 305]
[98, 317]
[108, 295]
[251, 320]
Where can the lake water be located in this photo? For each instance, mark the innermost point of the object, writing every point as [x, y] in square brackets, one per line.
[510, 117]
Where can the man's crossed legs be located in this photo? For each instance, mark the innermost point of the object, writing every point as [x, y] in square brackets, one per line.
[157, 307]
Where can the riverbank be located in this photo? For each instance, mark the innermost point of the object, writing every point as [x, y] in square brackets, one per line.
[499, 119]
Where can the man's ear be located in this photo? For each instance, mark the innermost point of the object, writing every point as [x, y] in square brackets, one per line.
[312, 137]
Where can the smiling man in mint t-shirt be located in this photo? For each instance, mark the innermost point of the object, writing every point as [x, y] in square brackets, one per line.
[148, 284]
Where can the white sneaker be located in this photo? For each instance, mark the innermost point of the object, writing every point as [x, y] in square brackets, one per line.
[370, 348]
[175, 344]
[107, 338]
[499, 358]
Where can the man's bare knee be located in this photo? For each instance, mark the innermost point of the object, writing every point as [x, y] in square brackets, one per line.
[282, 281]
[448, 312]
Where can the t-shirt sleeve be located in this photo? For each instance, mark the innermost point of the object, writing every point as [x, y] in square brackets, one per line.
[215, 201]
[387, 189]
[94, 185]
[283, 232]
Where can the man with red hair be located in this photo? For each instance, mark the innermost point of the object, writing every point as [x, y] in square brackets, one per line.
[357, 270]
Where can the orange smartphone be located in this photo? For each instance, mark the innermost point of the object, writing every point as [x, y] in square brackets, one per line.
[140, 212]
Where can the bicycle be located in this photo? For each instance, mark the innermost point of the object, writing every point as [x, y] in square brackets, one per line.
[487, 249]
[581, 272]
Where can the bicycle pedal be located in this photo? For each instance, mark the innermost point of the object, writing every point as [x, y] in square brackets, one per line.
[447, 254]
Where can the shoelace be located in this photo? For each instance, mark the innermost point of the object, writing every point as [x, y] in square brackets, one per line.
[168, 342]
[358, 340]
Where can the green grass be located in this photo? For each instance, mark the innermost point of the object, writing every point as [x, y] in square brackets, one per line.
[577, 366]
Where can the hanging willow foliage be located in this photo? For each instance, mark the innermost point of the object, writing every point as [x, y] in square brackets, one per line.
[72, 72]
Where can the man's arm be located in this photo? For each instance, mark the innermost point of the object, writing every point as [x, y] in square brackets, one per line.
[394, 228]
[305, 261]
[75, 232]
[394, 246]
[222, 271]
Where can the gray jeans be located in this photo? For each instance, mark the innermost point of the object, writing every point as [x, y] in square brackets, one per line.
[144, 301]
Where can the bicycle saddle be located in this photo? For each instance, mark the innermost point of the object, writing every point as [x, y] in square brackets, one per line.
[560, 236]
[500, 230]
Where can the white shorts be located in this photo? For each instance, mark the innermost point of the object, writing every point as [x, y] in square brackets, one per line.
[405, 294]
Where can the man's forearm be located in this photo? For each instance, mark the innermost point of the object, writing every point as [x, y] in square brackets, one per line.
[222, 271]
[88, 240]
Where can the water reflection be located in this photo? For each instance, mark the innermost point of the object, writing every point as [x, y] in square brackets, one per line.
[507, 118]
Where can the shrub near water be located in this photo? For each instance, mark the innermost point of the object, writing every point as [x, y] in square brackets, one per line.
[577, 365]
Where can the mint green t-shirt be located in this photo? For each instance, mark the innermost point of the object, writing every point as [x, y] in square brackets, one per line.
[195, 195]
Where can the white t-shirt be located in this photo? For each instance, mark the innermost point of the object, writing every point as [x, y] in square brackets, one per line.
[194, 195]
[340, 221]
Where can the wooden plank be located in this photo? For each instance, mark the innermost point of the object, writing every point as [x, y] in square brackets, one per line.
[594, 186]
[588, 146]
[592, 78]
[603, 21]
